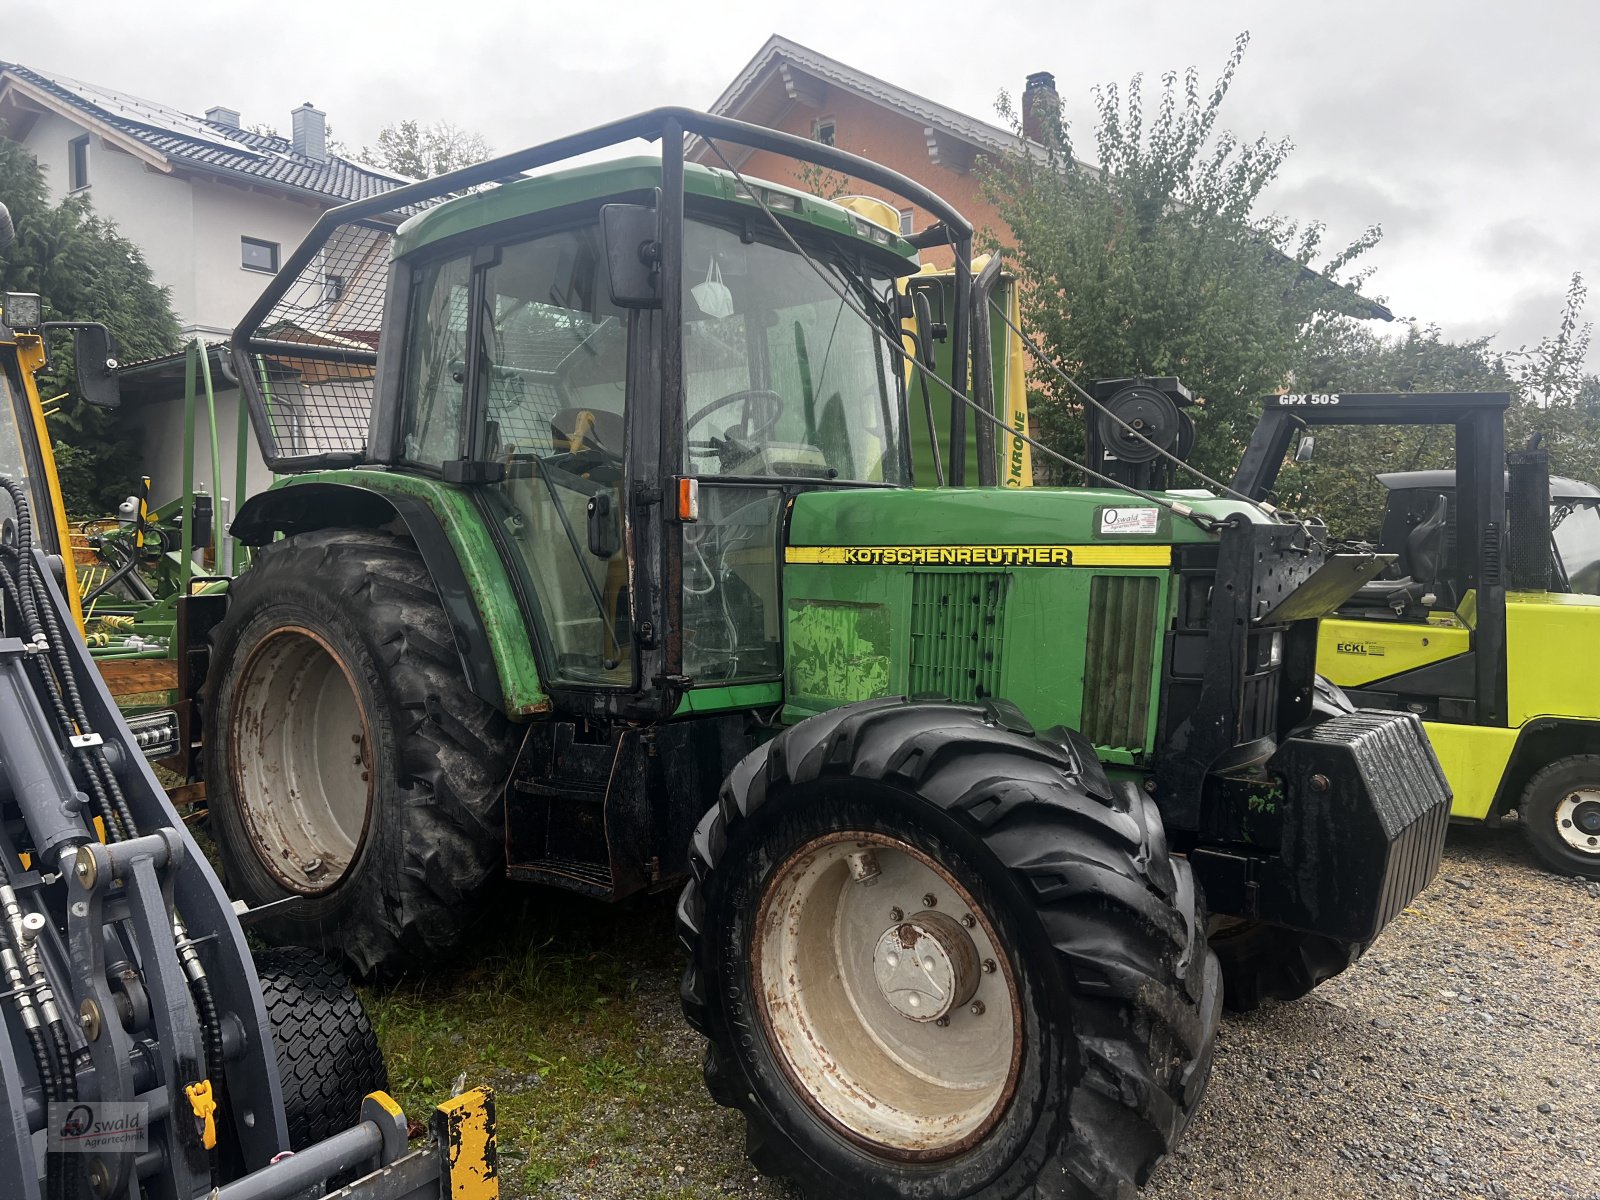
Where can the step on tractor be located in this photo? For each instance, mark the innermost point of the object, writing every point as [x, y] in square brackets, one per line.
[597, 563]
[1488, 624]
[146, 1053]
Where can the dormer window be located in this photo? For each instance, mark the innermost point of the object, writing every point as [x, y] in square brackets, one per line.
[78, 163]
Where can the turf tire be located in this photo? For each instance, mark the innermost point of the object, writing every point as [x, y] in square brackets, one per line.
[1104, 930]
[327, 1052]
[440, 756]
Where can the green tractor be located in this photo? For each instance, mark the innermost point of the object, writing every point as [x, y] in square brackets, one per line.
[598, 514]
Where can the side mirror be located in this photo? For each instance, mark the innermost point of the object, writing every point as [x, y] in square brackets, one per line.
[96, 366]
[633, 254]
[1306, 448]
[603, 538]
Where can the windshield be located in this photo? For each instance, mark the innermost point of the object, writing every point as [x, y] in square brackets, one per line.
[1577, 534]
[781, 378]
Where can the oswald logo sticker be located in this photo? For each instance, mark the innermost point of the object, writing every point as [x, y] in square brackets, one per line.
[97, 1126]
[1130, 520]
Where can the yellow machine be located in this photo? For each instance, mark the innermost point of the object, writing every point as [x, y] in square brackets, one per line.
[1489, 627]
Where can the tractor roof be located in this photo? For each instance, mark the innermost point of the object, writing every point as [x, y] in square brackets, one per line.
[1561, 488]
[631, 175]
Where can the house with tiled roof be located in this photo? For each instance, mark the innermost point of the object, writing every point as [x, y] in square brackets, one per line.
[796, 89]
[214, 206]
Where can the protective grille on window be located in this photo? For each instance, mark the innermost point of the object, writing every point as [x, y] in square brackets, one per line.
[315, 354]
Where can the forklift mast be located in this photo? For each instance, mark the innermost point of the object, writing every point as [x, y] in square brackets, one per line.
[1478, 419]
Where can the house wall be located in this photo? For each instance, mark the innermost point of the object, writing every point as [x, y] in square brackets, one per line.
[894, 140]
[188, 226]
[159, 427]
[151, 209]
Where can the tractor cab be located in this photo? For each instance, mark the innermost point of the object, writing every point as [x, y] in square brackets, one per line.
[634, 366]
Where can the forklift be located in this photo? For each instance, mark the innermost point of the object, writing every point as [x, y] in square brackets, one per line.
[1481, 626]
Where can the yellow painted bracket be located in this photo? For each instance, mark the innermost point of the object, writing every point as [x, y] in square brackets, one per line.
[463, 1127]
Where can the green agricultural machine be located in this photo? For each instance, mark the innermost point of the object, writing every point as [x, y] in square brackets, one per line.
[598, 515]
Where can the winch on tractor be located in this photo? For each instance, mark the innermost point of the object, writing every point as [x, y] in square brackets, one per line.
[598, 510]
[145, 1052]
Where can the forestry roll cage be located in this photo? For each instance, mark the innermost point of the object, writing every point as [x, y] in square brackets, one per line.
[669, 126]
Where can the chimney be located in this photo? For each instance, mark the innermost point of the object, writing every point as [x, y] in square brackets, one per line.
[228, 118]
[1038, 98]
[309, 136]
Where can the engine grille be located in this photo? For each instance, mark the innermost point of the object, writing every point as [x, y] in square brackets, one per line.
[957, 629]
[1119, 656]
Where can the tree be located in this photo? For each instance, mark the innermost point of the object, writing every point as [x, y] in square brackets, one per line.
[1156, 262]
[1551, 394]
[420, 151]
[85, 270]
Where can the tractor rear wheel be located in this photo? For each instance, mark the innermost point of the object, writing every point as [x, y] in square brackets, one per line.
[1560, 811]
[935, 955]
[347, 764]
[1262, 962]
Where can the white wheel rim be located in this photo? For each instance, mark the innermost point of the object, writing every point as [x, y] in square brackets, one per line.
[1578, 820]
[914, 1056]
[302, 760]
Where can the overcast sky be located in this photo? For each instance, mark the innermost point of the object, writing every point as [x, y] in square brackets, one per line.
[1469, 130]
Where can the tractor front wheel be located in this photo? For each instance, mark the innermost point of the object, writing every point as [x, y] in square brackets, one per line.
[349, 770]
[935, 955]
[1560, 811]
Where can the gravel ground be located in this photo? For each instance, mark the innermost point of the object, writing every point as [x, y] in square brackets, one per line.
[1460, 1058]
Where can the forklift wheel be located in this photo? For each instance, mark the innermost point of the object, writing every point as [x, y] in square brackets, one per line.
[937, 956]
[1561, 812]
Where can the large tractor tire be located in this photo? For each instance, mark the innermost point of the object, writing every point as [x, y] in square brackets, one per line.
[1560, 812]
[936, 955]
[347, 764]
[1262, 962]
[327, 1052]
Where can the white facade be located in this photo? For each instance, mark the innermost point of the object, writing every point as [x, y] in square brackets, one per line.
[189, 226]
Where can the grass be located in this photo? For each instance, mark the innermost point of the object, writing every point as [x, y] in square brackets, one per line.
[563, 1010]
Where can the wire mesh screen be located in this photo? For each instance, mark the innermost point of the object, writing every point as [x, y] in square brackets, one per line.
[315, 354]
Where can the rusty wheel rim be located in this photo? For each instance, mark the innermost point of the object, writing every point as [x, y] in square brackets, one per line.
[895, 1019]
[302, 760]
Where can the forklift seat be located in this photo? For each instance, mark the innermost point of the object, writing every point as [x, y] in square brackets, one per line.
[1420, 559]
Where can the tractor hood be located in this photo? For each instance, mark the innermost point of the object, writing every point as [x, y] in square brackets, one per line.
[996, 523]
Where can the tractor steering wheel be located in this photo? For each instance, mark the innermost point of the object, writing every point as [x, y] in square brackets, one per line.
[747, 431]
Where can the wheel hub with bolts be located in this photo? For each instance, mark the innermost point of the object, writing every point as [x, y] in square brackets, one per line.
[1578, 820]
[886, 995]
[926, 967]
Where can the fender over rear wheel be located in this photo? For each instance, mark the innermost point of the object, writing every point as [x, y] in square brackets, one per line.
[935, 954]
